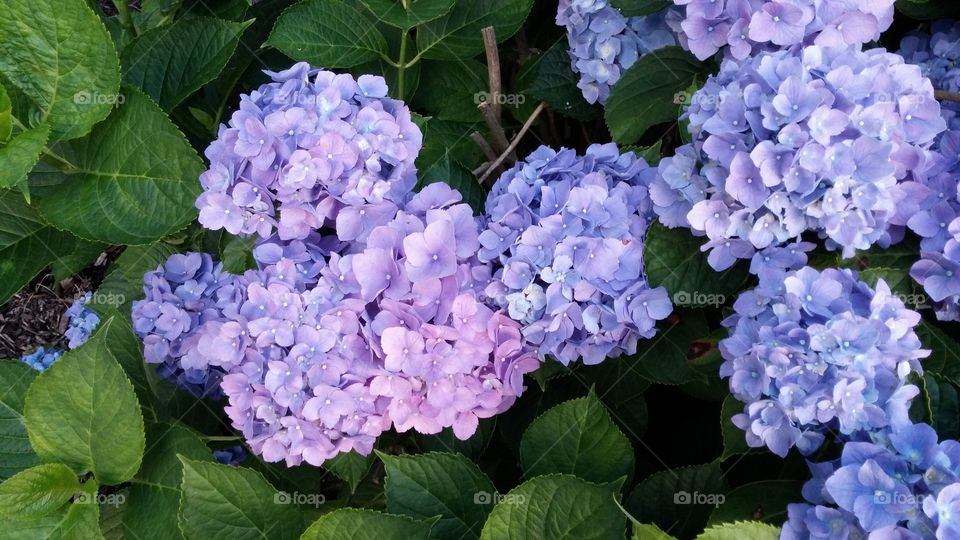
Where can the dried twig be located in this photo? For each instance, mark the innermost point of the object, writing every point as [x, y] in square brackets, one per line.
[484, 146]
[945, 95]
[513, 144]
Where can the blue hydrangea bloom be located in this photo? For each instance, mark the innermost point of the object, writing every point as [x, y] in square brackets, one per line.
[807, 139]
[937, 52]
[81, 322]
[742, 27]
[813, 352]
[233, 455]
[565, 234]
[604, 43]
[42, 358]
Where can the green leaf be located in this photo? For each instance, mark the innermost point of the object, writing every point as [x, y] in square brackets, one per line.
[59, 54]
[83, 412]
[942, 406]
[450, 172]
[350, 467]
[439, 484]
[741, 530]
[236, 253]
[577, 437]
[638, 8]
[37, 491]
[665, 358]
[645, 94]
[16, 454]
[649, 531]
[678, 500]
[172, 62]
[673, 259]
[408, 13]
[651, 154]
[944, 359]
[766, 500]
[559, 507]
[78, 521]
[931, 10]
[27, 244]
[551, 80]
[21, 154]
[457, 35]
[897, 279]
[452, 90]
[442, 138]
[154, 498]
[111, 518]
[80, 256]
[131, 181]
[734, 439]
[6, 115]
[220, 501]
[364, 524]
[328, 33]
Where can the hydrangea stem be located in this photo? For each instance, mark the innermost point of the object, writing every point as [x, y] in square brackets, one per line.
[123, 13]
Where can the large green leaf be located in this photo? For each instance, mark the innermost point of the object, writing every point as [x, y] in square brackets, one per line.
[16, 453]
[83, 412]
[678, 500]
[636, 8]
[350, 467]
[59, 54]
[328, 33]
[131, 181]
[439, 484]
[549, 78]
[154, 498]
[408, 13]
[765, 500]
[27, 244]
[124, 283]
[457, 35]
[559, 507]
[21, 154]
[577, 437]
[364, 524]
[452, 90]
[741, 530]
[6, 115]
[37, 491]
[447, 170]
[171, 62]
[665, 358]
[71, 522]
[645, 94]
[672, 259]
[649, 531]
[944, 359]
[224, 502]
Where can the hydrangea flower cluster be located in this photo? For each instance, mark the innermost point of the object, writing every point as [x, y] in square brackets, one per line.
[301, 147]
[748, 26]
[895, 483]
[604, 43]
[232, 456]
[181, 299]
[814, 138]
[81, 322]
[938, 54]
[813, 351]
[565, 233]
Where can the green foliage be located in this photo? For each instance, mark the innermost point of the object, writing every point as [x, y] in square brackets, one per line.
[327, 33]
[15, 447]
[362, 524]
[678, 500]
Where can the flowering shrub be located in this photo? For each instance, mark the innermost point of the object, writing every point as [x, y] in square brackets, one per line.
[480, 275]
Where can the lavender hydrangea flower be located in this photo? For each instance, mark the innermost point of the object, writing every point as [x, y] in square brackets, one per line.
[604, 43]
[742, 27]
[81, 322]
[811, 352]
[937, 52]
[813, 139]
[566, 235]
[303, 146]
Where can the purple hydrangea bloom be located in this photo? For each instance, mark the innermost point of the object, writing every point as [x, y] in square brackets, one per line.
[233, 455]
[82, 321]
[303, 146]
[937, 52]
[807, 139]
[604, 43]
[811, 352]
[184, 298]
[742, 27]
[565, 233]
